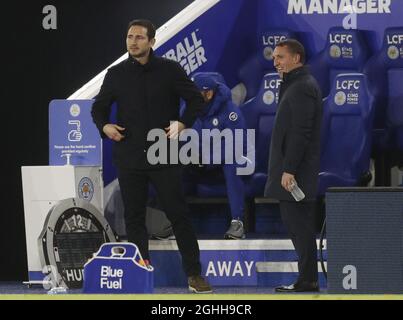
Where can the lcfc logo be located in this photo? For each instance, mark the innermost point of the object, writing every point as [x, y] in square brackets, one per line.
[335, 51]
[268, 53]
[273, 39]
[393, 52]
[268, 97]
[341, 38]
[394, 38]
[340, 98]
[270, 42]
[85, 189]
[75, 110]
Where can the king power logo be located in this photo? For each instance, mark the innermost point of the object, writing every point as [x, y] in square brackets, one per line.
[189, 52]
[338, 6]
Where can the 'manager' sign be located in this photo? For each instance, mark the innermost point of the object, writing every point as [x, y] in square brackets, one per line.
[338, 6]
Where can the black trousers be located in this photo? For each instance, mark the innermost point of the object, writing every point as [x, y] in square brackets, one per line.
[168, 184]
[299, 219]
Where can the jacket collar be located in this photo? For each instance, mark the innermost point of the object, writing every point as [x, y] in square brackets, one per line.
[290, 76]
[151, 60]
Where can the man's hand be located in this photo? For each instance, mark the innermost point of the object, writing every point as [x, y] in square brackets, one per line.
[112, 132]
[174, 129]
[287, 180]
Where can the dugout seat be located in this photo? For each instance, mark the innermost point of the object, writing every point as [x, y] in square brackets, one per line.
[345, 51]
[346, 133]
[259, 114]
[251, 72]
[385, 77]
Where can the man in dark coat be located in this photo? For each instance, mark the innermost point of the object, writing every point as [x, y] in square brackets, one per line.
[147, 90]
[294, 158]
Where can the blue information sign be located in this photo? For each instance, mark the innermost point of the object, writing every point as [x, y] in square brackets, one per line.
[73, 134]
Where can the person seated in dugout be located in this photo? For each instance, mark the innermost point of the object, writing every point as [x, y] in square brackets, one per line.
[220, 113]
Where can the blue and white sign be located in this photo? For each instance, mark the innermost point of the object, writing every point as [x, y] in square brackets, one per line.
[118, 268]
[73, 136]
[229, 263]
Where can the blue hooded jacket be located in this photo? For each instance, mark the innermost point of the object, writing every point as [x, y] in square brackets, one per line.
[220, 113]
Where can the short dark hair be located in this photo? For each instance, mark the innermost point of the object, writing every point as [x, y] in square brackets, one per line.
[143, 23]
[295, 47]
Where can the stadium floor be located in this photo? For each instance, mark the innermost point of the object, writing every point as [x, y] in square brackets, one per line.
[19, 291]
[19, 288]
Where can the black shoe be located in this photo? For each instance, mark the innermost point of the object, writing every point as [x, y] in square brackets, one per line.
[299, 287]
